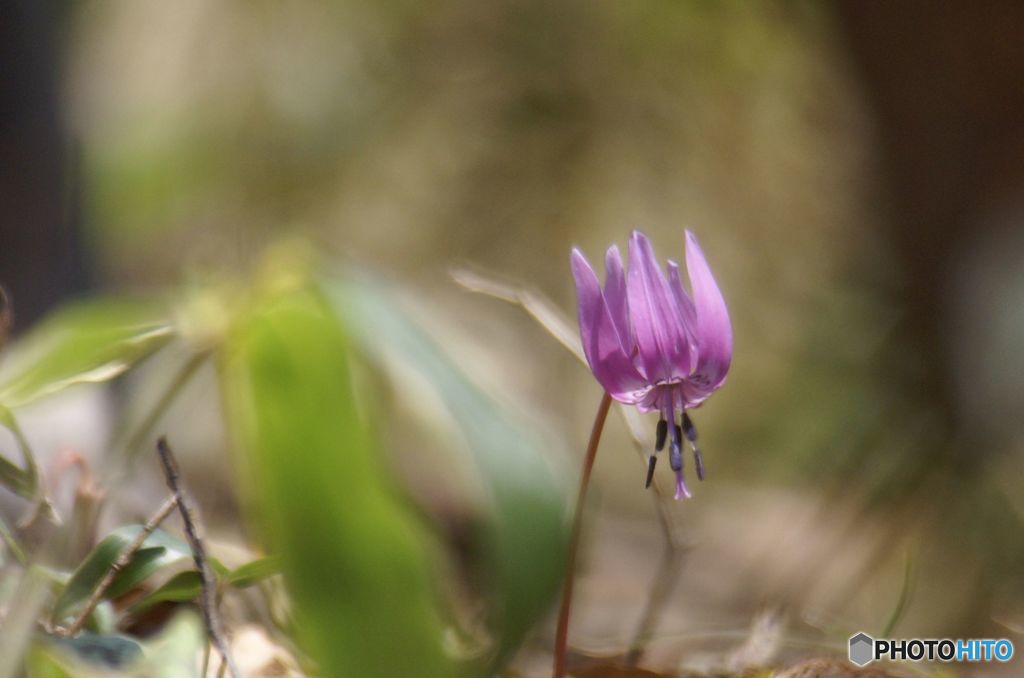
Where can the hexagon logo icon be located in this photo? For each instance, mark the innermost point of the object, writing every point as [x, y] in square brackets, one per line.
[862, 649]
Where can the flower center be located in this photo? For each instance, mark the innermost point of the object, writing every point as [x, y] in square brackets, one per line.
[685, 428]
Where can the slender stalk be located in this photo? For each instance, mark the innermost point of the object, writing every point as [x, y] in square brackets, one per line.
[562, 633]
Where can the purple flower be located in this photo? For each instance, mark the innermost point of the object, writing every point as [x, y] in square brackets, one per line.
[650, 344]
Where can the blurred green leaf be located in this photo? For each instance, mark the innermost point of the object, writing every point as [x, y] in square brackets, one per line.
[158, 551]
[24, 482]
[255, 572]
[41, 663]
[52, 575]
[16, 479]
[219, 568]
[180, 588]
[526, 535]
[355, 560]
[86, 342]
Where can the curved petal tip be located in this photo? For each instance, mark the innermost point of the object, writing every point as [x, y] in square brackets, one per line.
[714, 328]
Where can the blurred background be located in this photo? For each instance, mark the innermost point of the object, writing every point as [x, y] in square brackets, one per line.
[855, 172]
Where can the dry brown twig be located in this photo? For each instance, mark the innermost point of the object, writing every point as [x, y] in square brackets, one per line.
[209, 590]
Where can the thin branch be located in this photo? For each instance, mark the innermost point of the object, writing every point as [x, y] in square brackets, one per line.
[119, 564]
[189, 517]
[562, 633]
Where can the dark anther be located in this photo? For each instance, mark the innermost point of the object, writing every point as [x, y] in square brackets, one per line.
[651, 461]
[660, 435]
[675, 452]
[689, 428]
[691, 435]
[675, 457]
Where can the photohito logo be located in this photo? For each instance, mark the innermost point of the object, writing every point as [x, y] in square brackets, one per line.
[864, 649]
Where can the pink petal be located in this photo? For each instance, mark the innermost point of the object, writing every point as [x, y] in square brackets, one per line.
[694, 394]
[601, 344]
[660, 335]
[686, 309]
[615, 297]
[713, 330]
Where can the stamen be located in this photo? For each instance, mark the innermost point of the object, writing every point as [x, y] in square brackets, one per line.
[691, 435]
[660, 434]
[675, 459]
[689, 428]
[675, 452]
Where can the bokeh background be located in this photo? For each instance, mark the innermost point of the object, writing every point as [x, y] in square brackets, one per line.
[855, 172]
